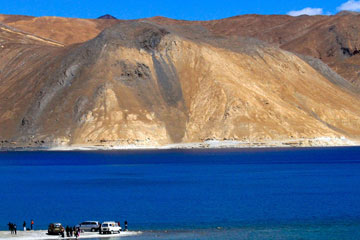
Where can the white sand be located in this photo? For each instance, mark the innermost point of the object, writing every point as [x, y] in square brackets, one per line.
[42, 235]
[215, 144]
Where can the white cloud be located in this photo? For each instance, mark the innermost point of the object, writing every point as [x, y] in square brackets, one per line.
[350, 6]
[306, 11]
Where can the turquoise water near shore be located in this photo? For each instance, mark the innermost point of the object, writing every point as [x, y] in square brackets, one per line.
[212, 194]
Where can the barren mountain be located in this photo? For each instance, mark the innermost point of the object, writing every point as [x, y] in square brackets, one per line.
[332, 39]
[107, 16]
[64, 30]
[157, 82]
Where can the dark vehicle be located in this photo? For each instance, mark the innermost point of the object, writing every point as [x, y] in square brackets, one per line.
[55, 229]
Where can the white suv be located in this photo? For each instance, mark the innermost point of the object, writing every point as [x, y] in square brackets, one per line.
[110, 227]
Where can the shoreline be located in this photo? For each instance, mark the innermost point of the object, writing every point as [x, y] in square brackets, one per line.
[209, 144]
[42, 235]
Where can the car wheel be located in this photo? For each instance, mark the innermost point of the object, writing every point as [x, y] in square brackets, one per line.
[93, 229]
[112, 232]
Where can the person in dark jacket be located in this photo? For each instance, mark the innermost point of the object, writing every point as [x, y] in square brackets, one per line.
[11, 229]
[76, 232]
[67, 230]
[15, 229]
[125, 226]
[71, 231]
[24, 226]
[62, 234]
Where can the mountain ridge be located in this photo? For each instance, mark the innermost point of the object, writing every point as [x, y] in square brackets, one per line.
[331, 39]
[107, 16]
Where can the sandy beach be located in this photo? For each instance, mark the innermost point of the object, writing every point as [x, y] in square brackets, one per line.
[42, 234]
[215, 144]
[208, 144]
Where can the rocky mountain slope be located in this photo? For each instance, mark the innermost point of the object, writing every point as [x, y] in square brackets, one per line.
[159, 81]
[64, 30]
[332, 39]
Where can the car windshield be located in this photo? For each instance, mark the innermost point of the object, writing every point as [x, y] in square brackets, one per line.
[105, 225]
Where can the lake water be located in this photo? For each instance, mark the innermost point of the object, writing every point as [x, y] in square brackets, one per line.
[217, 194]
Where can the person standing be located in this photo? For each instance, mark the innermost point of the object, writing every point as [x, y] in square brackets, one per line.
[24, 226]
[71, 231]
[15, 229]
[126, 225]
[32, 224]
[76, 232]
[62, 232]
[11, 227]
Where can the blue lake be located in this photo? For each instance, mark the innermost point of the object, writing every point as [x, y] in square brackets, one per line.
[246, 194]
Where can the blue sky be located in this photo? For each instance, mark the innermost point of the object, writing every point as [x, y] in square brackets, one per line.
[185, 9]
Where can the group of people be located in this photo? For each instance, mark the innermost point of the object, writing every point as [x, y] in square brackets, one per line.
[72, 232]
[13, 227]
[31, 225]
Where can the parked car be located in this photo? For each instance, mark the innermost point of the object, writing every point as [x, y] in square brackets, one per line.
[92, 226]
[55, 229]
[110, 227]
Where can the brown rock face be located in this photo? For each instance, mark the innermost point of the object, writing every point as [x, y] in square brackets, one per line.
[150, 84]
[63, 30]
[332, 39]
